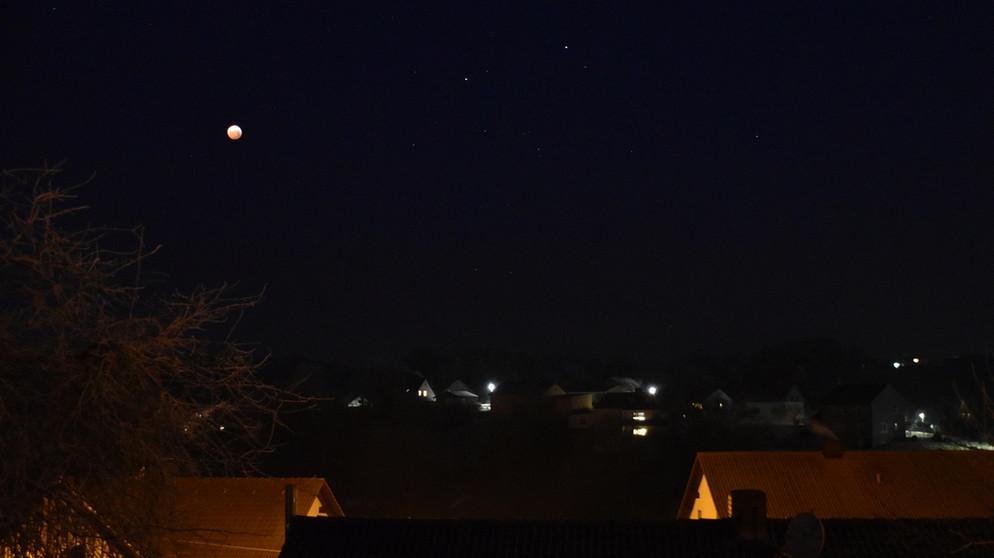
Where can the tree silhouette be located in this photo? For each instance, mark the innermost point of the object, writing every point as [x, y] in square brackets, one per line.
[108, 388]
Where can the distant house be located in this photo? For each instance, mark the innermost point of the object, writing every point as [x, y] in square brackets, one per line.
[717, 404]
[414, 383]
[864, 415]
[636, 411]
[424, 391]
[531, 398]
[239, 517]
[623, 387]
[459, 394]
[515, 398]
[850, 484]
[566, 403]
[358, 401]
[766, 408]
[717, 401]
[440, 538]
[795, 406]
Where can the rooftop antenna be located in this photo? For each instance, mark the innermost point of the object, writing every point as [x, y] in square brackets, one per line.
[805, 537]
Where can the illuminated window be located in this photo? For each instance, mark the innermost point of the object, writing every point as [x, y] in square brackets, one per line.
[641, 431]
[422, 393]
[638, 415]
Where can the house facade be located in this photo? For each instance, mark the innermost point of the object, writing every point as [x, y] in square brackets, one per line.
[425, 391]
[717, 404]
[635, 411]
[513, 398]
[864, 415]
[789, 409]
[458, 394]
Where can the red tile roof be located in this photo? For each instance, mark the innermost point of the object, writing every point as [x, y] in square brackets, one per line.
[859, 484]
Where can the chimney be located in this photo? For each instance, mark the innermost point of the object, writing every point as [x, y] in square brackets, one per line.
[748, 511]
[289, 506]
[831, 448]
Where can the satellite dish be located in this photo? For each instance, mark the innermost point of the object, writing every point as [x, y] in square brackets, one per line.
[805, 536]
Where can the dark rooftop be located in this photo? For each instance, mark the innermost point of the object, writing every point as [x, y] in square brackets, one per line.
[346, 537]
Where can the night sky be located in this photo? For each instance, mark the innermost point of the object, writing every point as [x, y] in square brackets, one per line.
[590, 178]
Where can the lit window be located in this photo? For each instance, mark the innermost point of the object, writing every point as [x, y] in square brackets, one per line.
[641, 431]
[638, 415]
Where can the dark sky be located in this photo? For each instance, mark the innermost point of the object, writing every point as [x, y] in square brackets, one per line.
[542, 176]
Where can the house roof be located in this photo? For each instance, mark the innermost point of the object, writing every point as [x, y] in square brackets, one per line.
[718, 395]
[388, 538]
[859, 484]
[409, 380]
[244, 517]
[459, 389]
[554, 389]
[461, 394]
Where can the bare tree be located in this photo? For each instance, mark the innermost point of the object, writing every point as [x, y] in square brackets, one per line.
[976, 405]
[107, 388]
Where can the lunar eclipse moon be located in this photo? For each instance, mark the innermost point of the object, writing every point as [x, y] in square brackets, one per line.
[234, 131]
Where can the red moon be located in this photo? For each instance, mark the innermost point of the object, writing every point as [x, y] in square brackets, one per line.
[234, 131]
